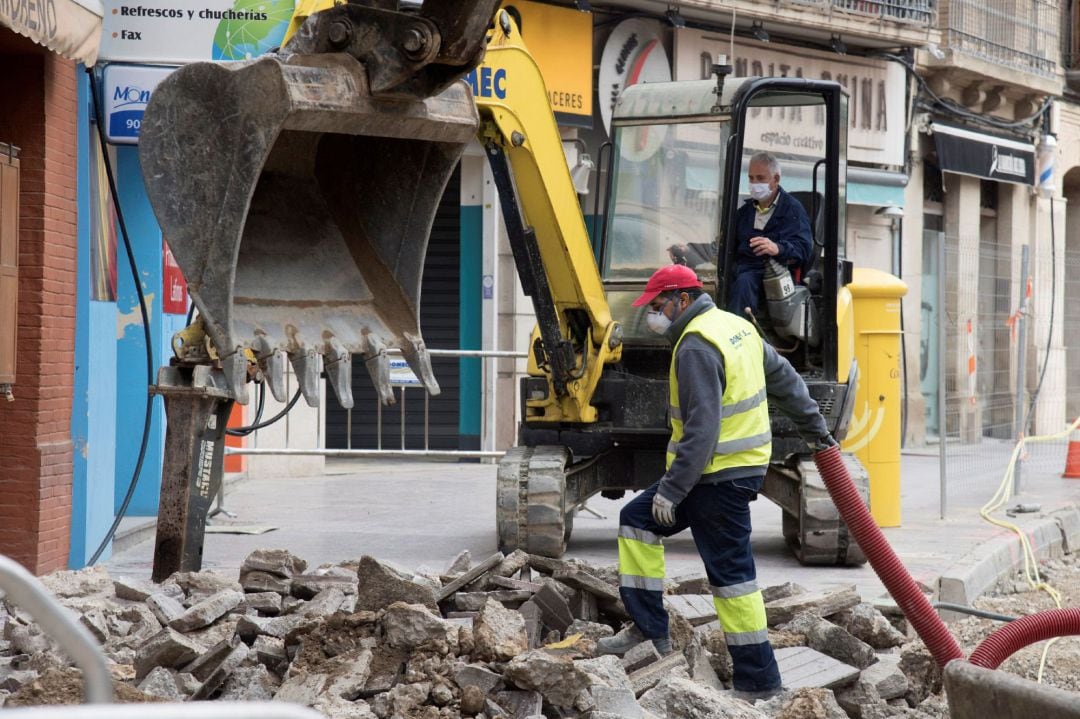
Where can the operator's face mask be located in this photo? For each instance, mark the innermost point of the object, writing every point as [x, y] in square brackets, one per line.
[657, 321]
[760, 191]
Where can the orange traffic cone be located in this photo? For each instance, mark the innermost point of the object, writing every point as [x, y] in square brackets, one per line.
[1072, 459]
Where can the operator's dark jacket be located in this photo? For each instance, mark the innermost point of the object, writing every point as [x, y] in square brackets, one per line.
[699, 367]
[789, 227]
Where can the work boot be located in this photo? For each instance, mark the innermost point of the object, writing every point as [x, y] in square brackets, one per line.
[758, 696]
[622, 642]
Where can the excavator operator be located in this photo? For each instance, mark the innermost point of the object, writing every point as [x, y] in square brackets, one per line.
[721, 378]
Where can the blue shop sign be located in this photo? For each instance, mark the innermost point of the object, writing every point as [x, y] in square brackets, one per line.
[127, 90]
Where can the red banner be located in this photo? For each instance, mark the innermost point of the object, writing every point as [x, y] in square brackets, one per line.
[174, 286]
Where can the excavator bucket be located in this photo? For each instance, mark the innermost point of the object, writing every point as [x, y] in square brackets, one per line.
[298, 201]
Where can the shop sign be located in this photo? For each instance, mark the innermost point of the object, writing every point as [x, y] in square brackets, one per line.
[401, 375]
[175, 33]
[633, 53]
[876, 95]
[980, 154]
[127, 89]
[560, 41]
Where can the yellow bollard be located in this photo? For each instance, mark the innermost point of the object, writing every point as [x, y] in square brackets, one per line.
[874, 434]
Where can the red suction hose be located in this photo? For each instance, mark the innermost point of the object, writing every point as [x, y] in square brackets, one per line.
[883, 559]
[1019, 633]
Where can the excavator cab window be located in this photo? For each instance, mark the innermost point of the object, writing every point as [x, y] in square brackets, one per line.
[664, 207]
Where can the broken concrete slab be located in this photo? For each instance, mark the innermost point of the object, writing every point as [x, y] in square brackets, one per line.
[325, 603]
[590, 630]
[805, 703]
[605, 593]
[806, 667]
[673, 665]
[136, 590]
[269, 651]
[222, 671]
[639, 656]
[248, 628]
[412, 627]
[307, 586]
[584, 606]
[281, 562]
[532, 614]
[207, 611]
[168, 648]
[265, 582]
[554, 609]
[459, 564]
[268, 603]
[161, 683]
[476, 675]
[511, 564]
[94, 620]
[499, 633]
[302, 688]
[516, 584]
[471, 575]
[249, 684]
[870, 625]
[607, 671]
[557, 678]
[854, 698]
[200, 585]
[204, 665]
[351, 676]
[823, 604]
[833, 640]
[781, 591]
[620, 702]
[681, 698]
[475, 601]
[887, 677]
[165, 607]
[379, 587]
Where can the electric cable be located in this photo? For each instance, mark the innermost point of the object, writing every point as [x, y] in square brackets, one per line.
[245, 431]
[100, 122]
[965, 609]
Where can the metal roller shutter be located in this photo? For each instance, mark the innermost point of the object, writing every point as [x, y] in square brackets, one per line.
[439, 305]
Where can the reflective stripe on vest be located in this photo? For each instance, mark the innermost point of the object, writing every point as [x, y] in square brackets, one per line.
[745, 435]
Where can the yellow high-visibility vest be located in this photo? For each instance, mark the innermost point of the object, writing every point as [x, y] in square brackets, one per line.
[745, 434]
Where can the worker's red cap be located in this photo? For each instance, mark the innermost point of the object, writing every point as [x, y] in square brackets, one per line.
[668, 277]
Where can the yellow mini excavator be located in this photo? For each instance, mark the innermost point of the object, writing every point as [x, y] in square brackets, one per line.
[298, 190]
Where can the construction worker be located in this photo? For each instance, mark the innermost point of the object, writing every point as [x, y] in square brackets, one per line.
[721, 374]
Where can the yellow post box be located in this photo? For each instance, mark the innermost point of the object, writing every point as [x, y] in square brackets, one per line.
[874, 432]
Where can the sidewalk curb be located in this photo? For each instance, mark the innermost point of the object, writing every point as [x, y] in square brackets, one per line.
[1051, 536]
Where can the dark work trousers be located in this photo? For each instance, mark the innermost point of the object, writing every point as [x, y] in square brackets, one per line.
[718, 516]
[745, 289]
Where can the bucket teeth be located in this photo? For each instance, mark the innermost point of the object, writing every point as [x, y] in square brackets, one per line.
[419, 360]
[235, 368]
[378, 366]
[272, 362]
[306, 366]
[338, 363]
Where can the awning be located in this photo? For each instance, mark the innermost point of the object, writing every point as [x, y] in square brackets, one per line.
[980, 154]
[876, 188]
[71, 28]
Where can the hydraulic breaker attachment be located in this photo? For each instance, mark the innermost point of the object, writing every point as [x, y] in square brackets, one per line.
[297, 191]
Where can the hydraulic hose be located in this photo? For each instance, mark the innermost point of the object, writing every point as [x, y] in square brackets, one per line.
[883, 559]
[1016, 635]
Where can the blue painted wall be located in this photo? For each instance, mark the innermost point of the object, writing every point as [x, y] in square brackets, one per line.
[93, 427]
[470, 321]
[131, 376]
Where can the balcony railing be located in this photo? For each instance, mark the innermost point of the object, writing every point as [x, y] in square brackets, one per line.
[1019, 34]
[907, 12]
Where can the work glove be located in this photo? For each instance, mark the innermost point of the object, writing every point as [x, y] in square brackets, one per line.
[822, 443]
[663, 510]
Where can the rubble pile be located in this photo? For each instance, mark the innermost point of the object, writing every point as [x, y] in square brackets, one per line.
[513, 636]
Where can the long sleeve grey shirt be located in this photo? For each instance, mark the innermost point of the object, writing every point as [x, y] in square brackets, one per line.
[699, 367]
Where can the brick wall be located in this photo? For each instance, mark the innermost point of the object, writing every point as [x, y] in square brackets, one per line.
[35, 430]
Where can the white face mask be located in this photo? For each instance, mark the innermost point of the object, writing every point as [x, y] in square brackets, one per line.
[760, 191]
[658, 322]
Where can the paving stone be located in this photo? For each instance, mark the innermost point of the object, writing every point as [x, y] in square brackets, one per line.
[269, 651]
[307, 586]
[265, 582]
[673, 665]
[697, 609]
[554, 609]
[477, 675]
[136, 590]
[823, 604]
[274, 561]
[168, 648]
[547, 565]
[887, 677]
[205, 664]
[470, 576]
[517, 584]
[207, 611]
[379, 587]
[606, 595]
[248, 628]
[161, 683]
[806, 667]
[263, 602]
[165, 607]
[325, 603]
[475, 601]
